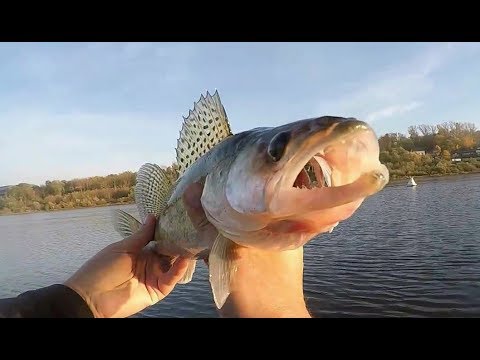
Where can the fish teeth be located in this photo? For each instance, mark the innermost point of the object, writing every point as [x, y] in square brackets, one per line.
[326, 170]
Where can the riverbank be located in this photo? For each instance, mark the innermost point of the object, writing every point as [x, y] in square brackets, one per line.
[393, 182]
[396, 180]
[392, 179]
[64, 209]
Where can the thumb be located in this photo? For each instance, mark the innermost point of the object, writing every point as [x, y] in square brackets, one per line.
[193, 205]
[138, 240]
[178, 269]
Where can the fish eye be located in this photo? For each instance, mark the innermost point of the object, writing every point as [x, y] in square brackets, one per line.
[277, 145]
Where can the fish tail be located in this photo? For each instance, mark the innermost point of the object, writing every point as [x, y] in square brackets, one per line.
[124, 223]
[152, 189]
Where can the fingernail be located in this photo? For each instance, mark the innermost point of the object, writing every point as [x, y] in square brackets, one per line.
[193, 200]
[193, 195]
[150, 219]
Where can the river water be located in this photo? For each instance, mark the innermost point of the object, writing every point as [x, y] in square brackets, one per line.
[405, 252]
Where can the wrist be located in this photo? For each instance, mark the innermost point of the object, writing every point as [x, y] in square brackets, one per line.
[83, 295]
[58, 301]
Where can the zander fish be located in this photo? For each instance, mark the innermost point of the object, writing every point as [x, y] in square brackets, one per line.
[271, 188]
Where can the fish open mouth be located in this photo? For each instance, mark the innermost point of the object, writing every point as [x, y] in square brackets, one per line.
[316, 173]
[341, 161]
[330, 171]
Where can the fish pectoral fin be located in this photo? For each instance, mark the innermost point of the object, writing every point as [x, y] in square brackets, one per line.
[222, 268]
[187, 277]
[124, 223]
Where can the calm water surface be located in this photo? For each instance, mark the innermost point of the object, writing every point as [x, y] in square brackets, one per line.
[405, 252]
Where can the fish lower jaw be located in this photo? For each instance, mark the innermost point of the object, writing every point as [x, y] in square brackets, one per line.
[338, 162]
[295, 201]
[320, 172]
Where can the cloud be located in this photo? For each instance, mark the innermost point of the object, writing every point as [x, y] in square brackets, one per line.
[400, 88]
[74, 110]
[390, 111]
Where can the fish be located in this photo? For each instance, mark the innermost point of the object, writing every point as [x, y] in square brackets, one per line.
[271, 188]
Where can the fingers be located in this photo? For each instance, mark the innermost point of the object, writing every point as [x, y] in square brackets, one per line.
[192, 200]
[142, 237]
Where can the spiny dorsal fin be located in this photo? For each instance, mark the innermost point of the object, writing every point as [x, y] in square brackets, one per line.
[206, 125]
[152, 190]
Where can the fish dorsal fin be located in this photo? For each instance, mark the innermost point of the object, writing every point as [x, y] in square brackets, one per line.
[206, 125]
[152, 190]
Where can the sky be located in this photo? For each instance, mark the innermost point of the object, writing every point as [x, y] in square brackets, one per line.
[70, 110]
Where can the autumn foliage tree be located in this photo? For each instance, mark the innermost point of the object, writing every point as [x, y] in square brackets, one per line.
[56, 194]
[440, 142]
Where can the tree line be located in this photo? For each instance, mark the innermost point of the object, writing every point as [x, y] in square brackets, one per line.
[402, 153]
[76, 193]
[399, 152]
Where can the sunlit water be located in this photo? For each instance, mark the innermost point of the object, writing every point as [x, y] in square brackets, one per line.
[405, 252]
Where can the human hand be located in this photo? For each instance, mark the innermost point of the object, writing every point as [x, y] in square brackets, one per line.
[127, 276]
[267, 283]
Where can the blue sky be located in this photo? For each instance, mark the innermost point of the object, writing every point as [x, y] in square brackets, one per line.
[82, 109]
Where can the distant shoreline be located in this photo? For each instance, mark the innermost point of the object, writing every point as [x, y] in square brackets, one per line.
[405, 178]
[58, 210]
[395, 181]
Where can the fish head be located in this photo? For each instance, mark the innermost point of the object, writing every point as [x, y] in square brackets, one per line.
[310, 158]
[288, 184]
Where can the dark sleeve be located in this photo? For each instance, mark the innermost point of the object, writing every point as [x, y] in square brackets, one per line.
[55, 301]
